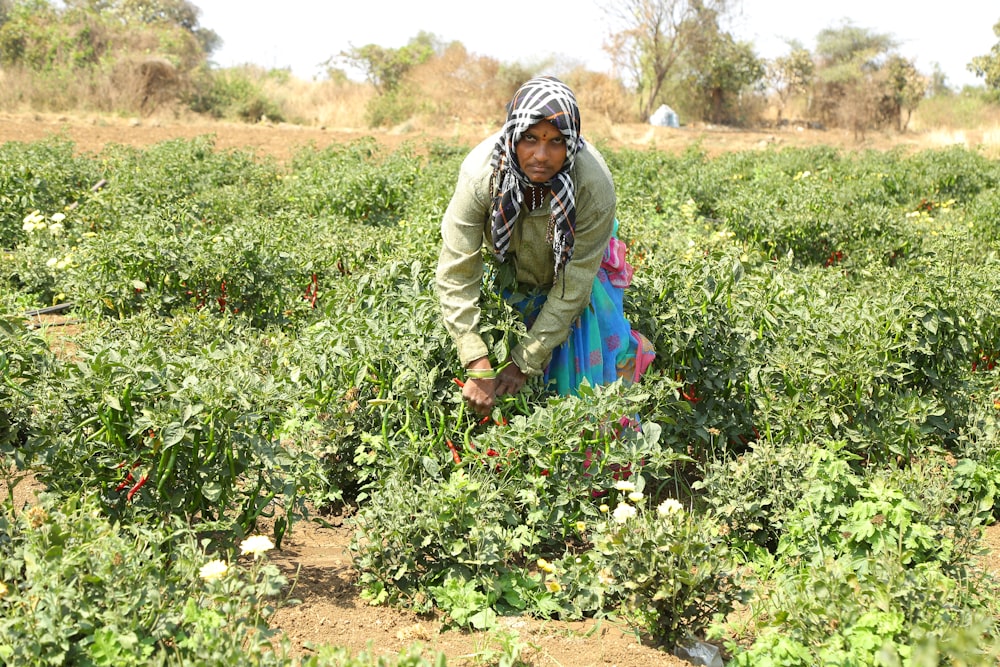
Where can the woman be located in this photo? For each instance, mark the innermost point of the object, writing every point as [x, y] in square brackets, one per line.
[543, 201]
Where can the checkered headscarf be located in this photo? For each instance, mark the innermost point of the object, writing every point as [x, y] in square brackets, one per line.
[541, 98]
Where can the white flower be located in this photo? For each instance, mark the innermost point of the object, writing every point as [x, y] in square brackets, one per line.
[256, 545]
[623, 513]
[635, 496]
[58, 217]
[33, 221]
[56, 229]
[51, 262]
[668, 507]
[213, 569]
[624, 485]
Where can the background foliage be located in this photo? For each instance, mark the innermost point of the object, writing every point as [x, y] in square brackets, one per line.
[145, 57]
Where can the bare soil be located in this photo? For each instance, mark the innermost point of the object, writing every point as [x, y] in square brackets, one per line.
[280, 141]
[315, 557]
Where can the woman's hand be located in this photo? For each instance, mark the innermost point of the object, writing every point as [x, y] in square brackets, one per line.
[510, 380]
[480, 393]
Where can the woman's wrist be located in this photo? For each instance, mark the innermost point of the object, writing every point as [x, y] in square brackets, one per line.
[480, 369]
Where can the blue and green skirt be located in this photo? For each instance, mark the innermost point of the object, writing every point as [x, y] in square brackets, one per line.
[602, 347]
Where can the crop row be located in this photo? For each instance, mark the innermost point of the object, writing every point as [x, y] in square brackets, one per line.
[817, 438]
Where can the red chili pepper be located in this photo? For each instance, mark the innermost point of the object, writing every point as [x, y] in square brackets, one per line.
[138, 485]
[691, 395]
[458, 382]
[124, 482]
[492, 452]
[484, 420]
[454, 452]
[312, 291]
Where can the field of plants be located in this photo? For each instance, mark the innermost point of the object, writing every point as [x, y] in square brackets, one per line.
[801, 479]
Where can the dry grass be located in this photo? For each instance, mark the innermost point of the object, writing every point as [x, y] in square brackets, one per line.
[335, 104]
[454, 89]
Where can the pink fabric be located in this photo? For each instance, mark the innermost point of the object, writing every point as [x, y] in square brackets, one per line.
[619, 270]
[644, 354]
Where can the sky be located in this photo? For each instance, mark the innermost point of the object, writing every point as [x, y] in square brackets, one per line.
[303, 34]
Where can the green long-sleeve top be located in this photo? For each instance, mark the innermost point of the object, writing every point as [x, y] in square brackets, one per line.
[466, 227]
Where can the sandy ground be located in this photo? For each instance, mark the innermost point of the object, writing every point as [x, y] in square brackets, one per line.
[314, 556]
[280, 141]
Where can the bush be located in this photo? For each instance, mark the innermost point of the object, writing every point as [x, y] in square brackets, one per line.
[234, 93]
[75, 589]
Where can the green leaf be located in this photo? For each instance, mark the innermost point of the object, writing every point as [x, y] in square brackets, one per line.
[483, 619]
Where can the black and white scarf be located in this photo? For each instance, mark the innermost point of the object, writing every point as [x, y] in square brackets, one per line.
[541, 98]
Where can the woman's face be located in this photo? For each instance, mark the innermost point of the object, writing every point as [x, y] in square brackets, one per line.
[541, 151]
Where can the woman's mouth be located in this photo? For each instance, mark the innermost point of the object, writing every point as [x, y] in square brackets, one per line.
[538, 173]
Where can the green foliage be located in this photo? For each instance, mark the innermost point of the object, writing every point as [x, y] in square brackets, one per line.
[24, 364]
[988, 66]
[790, 74]
[450, 527]
[861, 82]
[194, 434]
[356, 181]
[716, 65]
[77, 589]
[920, 516]
[233, 93]
[754, 493]
[386, 67]
[44, 37]
[44, 176]
[823, 398]
[873, 611]
[392, 108]
[651, 39]
[671, 569]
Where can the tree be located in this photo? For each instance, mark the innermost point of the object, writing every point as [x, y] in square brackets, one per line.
[938, 82]
[648, 40]
[988, 66]
[907, 87]
[385, 67]
[165, 13]
[850, 85]
[715, 65]
[40, 35]
[791, 74]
